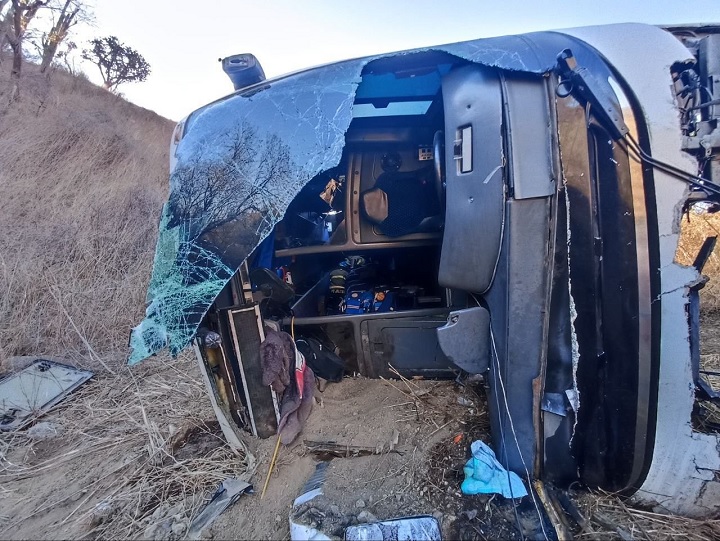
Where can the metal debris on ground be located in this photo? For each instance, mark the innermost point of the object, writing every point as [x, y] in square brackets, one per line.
[313, 488]
[422, 528]
[328, 449]
[313, 519]
[226, 494]
[30, 393]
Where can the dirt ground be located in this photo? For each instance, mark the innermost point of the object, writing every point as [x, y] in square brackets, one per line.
[137, 454]
[413, 418]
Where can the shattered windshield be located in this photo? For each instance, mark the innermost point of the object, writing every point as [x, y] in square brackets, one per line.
[243, 160]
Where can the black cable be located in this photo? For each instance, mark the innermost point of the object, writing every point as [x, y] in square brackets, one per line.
[695, 180]
[710, 103]
[706, 89]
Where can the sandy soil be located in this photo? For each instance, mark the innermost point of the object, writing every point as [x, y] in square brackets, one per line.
[422, 431]
[376, 414]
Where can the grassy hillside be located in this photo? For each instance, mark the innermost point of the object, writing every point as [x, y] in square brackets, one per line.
[83, 175]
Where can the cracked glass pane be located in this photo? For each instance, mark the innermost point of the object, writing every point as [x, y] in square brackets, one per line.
[244, 158]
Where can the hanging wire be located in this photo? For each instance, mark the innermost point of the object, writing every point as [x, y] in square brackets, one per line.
[517, 443]
[507, 471]
[505, 457]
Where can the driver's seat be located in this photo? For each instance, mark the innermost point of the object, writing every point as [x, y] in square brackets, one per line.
[402, 203]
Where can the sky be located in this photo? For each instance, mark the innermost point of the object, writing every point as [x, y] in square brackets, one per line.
[183, 40]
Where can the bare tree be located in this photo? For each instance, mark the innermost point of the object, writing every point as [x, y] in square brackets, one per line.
[65, 58]
[66, 14]
[22, 12]
[118, 63]
[5, 22]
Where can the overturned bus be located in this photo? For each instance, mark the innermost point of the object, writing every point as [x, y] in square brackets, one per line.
[507, 207]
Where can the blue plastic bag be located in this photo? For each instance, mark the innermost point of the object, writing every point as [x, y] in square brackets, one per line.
[485, 475]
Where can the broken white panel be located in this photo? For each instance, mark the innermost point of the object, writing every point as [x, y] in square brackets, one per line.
[681, 477]
[33, 391]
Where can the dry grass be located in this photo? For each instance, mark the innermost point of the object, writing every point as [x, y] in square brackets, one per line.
[83, 175]
[610, 518]
[138, 450]
[706, 416]
[695, 228]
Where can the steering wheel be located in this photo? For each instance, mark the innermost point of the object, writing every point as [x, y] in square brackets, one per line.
[439, 166]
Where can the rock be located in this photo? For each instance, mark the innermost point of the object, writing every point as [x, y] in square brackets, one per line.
[160, 531]
[470, 515]
[207, 534]
[438, 516]
[102, 513]
[334, 510]
[44, 431]
[149, 532]
[366, 516]
[465, 402]
[174, 510]
[360, 504]
[278, 518]
[474, 379]
[178, 529]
